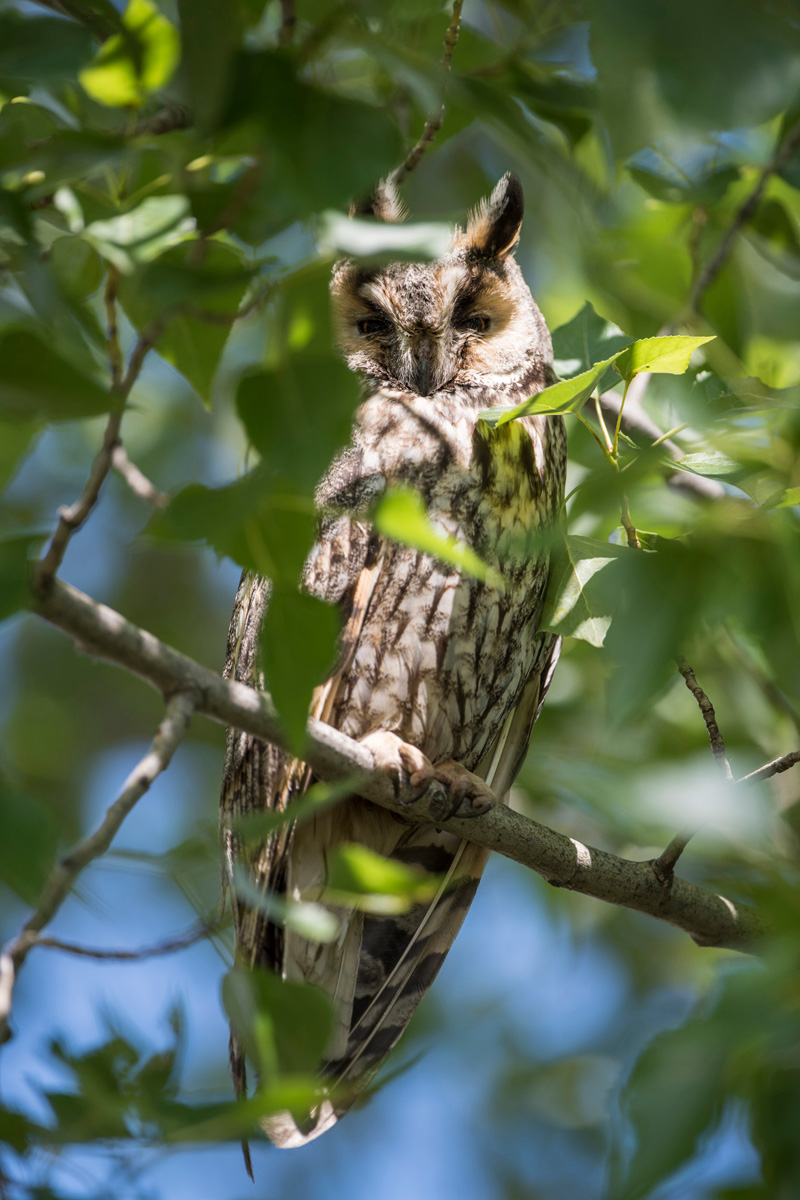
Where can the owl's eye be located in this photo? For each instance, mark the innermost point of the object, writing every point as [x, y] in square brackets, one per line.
[371, 325]
[477, 324]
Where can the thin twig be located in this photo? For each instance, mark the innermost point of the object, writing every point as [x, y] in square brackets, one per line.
[631, 533]
[776, 767]
[664, 865]
[71, 517]
[136, 480]
[288, 21]
[712, 268]
[434, 122]
[171, 731]
[182, 942]
[709, 716]
[103, 633]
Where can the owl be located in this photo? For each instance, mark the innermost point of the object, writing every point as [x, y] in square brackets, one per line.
[439, 675]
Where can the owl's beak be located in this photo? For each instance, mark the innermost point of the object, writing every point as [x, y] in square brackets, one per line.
[422, 377]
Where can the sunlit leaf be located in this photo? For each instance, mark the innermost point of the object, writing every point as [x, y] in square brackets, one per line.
[372, 883]
[306, 918]
[587, 339]
[566, 396]
[378, 241]
[660, 355]
[401, 515]
[130, 66]
[143, 233]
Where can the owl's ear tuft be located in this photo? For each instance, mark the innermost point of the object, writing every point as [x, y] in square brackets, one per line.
[383, 203]
[493, 228]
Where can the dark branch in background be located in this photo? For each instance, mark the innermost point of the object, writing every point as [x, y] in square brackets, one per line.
[434, 122]
[172, 116]
[712, 268]
[288, 21]
[194, 935]
[71, 517]
[85, 12]
[180, 707]
[710, 718]
[99, 631]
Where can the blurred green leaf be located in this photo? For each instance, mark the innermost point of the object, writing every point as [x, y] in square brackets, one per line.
[27, 839]
[299, 414]
[376, 241]
[401, 515]
[575, 606]
[211, 34]
[284, 1026]
[373, 883]
[298, 649]
[127, 69]
[16, 438]
[35, 381]
[144, 233]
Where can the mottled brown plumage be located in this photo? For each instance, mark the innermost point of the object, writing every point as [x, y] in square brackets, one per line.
[443, 676]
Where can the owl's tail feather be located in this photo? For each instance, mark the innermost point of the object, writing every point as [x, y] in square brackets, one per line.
[384, 975]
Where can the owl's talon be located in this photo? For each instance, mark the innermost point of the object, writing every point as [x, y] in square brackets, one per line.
[463, 794]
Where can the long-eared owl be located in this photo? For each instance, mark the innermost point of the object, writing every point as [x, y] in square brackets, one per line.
[442, 676]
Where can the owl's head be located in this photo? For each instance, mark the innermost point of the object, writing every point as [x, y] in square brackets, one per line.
[466, 320]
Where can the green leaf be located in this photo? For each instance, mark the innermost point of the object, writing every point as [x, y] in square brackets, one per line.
[711, 463]
[401, 515]
[284, 1026]
[566, 396]
[27, 838]
[659, 355]
[309, 920]
[35, 381]
[15, 441]
[371, 883]
[308, 391]
[131, 66]
[76, 266]
[298, 649]
[577, 604]
[144, 233]
[266, 533]
[586, 339]
[211, 33]
[378, 241]
[254, 828]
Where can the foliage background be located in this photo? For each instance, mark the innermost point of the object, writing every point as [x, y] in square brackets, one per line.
[639, 132]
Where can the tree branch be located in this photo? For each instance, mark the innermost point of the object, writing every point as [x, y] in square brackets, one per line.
[713, 267]
[180, 707]
[71, 517]
[776, 767]
[712, 920]
[138, 482]
[434, 122]
[709, 716]
[182, 942]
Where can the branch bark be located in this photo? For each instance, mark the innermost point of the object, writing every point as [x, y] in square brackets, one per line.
[711, 920]
[180, 707]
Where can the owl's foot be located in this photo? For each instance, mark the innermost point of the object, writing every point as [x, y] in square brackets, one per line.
[460, 793]
[471, 796]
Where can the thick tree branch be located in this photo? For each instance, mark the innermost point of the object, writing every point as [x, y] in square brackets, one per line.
[710, 919]
[180, 707]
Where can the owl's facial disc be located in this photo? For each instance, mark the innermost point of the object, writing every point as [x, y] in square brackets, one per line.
[465, 321]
